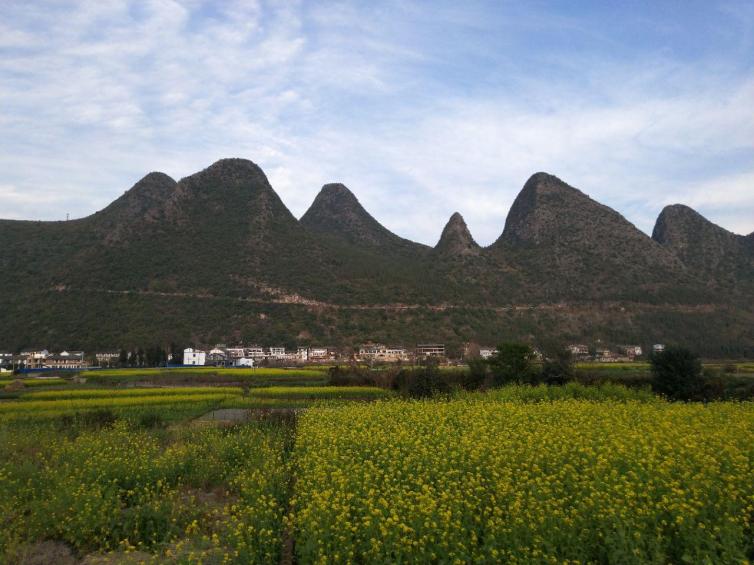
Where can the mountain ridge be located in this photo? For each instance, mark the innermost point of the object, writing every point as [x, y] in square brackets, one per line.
[138, 270]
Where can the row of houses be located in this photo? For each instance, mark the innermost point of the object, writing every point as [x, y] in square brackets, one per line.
[622, 353]
[250, 356]
[240, 356]
[43, 360]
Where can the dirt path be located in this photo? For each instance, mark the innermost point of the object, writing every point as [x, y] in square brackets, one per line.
[295, 299]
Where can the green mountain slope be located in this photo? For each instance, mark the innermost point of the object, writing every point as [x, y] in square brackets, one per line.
[217, 256]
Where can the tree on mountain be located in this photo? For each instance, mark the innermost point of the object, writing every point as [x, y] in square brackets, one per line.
[512, 363]
[677, 374]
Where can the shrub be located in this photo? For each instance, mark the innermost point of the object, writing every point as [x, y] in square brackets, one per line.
[557, 368]
[677, 374]
[477, 374]
[350, 376]
[98, 418]
[151, 420]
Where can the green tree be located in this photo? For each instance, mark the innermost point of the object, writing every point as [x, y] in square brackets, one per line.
[511, 363]
[477, 373]
[677, 374]
[557, 365]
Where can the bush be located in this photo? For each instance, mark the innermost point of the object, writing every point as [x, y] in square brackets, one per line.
[677, 374]
[350, 376]
[477, 374]
[420, 383]
[151, 420]
[557, 368]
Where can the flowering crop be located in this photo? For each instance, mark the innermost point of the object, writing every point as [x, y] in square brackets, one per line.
[209, 495]
[326, 392]
[127, 393]
[476, 480]
[35, 382]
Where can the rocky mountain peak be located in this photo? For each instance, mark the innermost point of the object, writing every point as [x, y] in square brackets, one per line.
[337, 211]
[142, 201]
[233, 172]
[678, 223]
[542, 207]
[700, 243]
[456, 239]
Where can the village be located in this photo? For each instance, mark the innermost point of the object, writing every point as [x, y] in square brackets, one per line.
[251, 356]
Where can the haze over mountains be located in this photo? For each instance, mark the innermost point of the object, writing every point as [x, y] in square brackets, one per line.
[217, 256]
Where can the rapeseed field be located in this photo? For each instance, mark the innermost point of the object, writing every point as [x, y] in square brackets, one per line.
[520, 474]
[569, 481]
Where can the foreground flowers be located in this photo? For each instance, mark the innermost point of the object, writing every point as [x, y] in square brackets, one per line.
[484, 481]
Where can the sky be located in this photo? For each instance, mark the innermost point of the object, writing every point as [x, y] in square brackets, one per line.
[421, 108]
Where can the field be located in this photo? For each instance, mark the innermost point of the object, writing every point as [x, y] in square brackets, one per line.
[578, 474]
[220, 371]
[261, 377]
[471, 481]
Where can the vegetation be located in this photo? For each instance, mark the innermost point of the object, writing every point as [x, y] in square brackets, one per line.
[191, 495]
[677, 374]
[512, 362]
[194, 371]
[573, 390]
[35, 383]
[521, 473]
[474, 481]
[209, 376]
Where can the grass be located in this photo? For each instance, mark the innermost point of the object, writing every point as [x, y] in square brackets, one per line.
[207, 375]
[576, 391]
[323, 392]
[34, 383]
[34, 409]
[133, 403]
[99, 393]
[633, 366]
[241, 372]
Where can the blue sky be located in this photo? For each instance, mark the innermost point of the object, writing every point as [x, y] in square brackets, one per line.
[421, 108]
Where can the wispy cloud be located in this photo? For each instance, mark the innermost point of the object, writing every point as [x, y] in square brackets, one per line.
[422, 110]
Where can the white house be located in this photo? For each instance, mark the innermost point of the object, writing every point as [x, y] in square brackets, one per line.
[302, 353]
[486, 352]
[194, 357]
[243, 362]
[254, 352]
[277, 352]
[380, 352]
[235, 352]
[658, 347]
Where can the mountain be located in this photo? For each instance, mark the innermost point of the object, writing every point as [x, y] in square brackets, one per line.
[575, 245]
[337, 212]
[218, 257]
[704, 246]
[456, 239]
